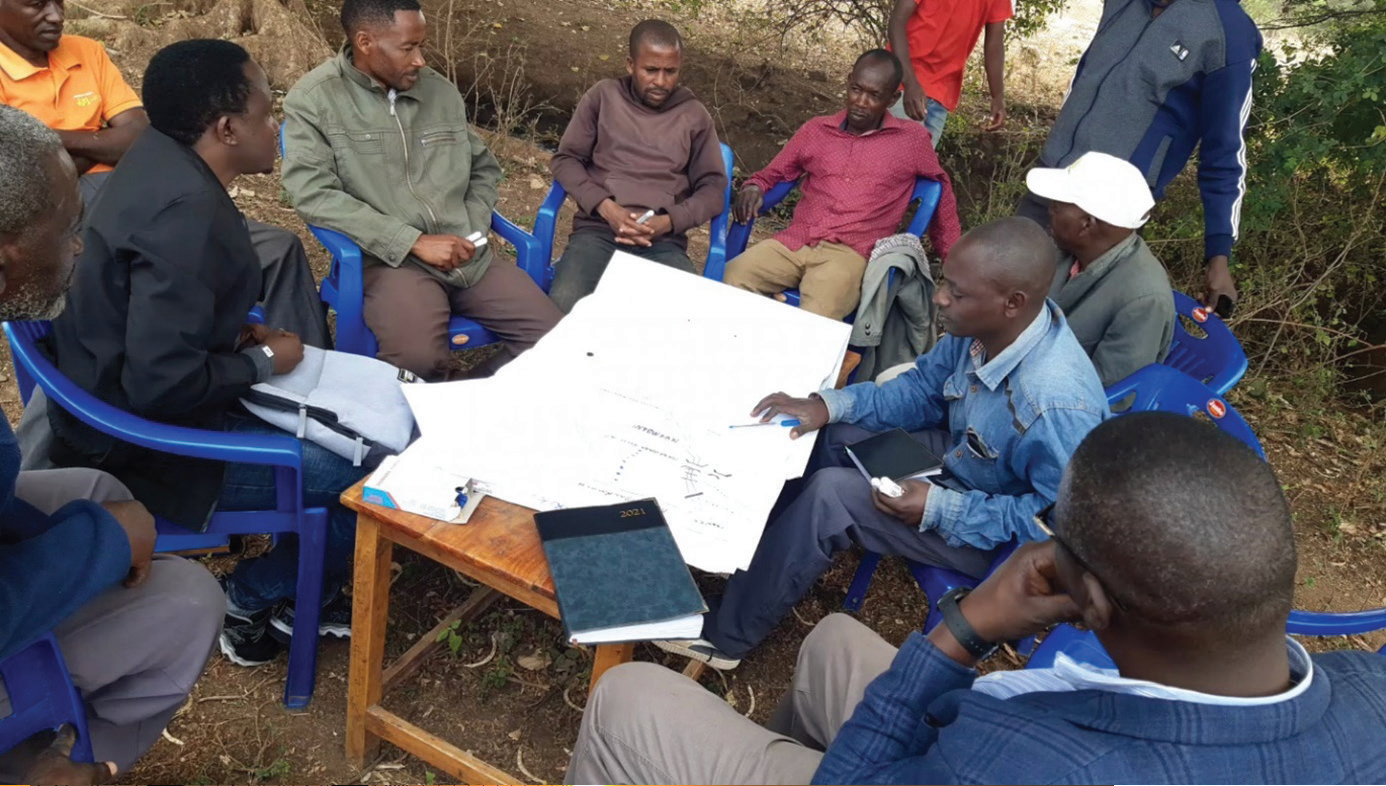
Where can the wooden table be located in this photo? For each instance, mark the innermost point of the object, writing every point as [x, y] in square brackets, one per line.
[498, 547]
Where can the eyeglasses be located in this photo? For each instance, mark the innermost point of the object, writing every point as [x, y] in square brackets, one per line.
[1045, 521]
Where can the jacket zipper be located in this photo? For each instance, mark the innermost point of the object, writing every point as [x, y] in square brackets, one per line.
[1073, 137]
[408, 170]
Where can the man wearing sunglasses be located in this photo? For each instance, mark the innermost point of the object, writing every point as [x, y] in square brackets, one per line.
[1173, 543]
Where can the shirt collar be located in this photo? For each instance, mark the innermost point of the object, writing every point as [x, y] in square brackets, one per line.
[1108, 259]
[18, 69]
[993, 372]
[834, 122]
[1085, 676]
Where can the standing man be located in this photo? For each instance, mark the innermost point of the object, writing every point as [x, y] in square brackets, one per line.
[378, 148]
[1111, 287]
[70, 83]
[675, 173]
[1004, 399]
[1157, 81]
[856, 170]
[76, 551]
[934, 39]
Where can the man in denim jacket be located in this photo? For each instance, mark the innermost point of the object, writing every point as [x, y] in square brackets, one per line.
[1005, 399]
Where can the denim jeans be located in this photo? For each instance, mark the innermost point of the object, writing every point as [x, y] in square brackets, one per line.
[934, 119]
[261, 582]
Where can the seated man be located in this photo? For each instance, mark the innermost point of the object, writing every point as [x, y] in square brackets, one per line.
[378, 148]
[1113, 290]
[76, 552]
[1171, 540]
[98, 117]
[1003, 399]
[156, 325]
[858, 169]
[676, 171]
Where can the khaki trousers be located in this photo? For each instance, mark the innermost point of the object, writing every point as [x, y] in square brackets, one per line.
[647, 724]
[828, 275]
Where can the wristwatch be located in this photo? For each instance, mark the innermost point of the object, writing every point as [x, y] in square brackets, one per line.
[962, 630]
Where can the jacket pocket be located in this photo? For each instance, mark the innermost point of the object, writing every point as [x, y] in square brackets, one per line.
[977, 464]
[364, 143]
[436, 138]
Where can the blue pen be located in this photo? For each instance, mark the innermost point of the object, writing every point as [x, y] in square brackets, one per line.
[785, 423]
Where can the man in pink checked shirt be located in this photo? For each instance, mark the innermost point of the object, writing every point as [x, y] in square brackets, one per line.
[856, 170]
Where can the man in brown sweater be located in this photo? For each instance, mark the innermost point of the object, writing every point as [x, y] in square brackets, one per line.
[642, 161]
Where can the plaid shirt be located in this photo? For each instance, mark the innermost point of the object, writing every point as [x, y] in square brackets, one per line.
[919, 722]
[856, 187]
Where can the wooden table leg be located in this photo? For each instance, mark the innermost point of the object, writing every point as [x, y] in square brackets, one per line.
[369, 616]
[609, 655]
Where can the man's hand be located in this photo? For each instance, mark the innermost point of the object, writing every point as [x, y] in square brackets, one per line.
[908, 507]
[1021, 598]
[660, 225]
[812, 412]
[445, 252]
[997, 119]
[55, 765]
[748, 202]
[622, 221]
[138, 524]
[1220, 284]
[252, 333]
[287, 348]
[916, 102]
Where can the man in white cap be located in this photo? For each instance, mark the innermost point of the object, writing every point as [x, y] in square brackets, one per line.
[1113, 290]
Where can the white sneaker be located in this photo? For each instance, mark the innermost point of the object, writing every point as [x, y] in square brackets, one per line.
[699, 650]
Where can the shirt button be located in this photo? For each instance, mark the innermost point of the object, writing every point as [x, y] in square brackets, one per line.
[957, 454]
[974, 388]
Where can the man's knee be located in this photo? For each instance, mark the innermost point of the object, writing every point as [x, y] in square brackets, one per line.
[50, 489]
[190, 599]
[624, 690]
[831, 638]
[836, 484]
[426, 358]
[274, 245]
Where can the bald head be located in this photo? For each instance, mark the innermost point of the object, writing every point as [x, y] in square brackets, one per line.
[1015, 253]
[1183, 524]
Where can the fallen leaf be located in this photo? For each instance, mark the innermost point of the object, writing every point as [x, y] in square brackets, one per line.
[514, 735]
[497, 25]
[575, 68]
[585, 28]
[535, 183]
[603, 57]
[538, 661]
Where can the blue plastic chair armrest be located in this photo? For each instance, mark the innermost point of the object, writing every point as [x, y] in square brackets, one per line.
[739, 234]
[928, 193]
[529, 251]
[546, 221]
[341, 247]
[275, 450]
[1315, 623]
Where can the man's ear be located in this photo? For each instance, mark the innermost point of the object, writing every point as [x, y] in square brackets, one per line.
[630, 65]
[1015, 303]
[224, 132]
[363, 41]
[1097, 610]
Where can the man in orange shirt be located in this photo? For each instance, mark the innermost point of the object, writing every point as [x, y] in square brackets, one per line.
[934, 38]
[70, 83]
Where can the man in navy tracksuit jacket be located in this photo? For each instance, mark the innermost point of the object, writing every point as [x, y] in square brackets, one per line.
[1158, 80]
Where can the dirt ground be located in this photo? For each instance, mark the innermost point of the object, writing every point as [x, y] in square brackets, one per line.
[512, 691]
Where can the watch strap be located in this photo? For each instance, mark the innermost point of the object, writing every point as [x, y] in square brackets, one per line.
[958, 625]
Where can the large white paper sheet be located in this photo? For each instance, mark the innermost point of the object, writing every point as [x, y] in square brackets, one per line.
[631, 396]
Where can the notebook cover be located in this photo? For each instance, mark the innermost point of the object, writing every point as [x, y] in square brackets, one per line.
[616, 565]
[893, 454]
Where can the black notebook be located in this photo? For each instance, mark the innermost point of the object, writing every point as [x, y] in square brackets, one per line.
[894, 454]
[619, 575]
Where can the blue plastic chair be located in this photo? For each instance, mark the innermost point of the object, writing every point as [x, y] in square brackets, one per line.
[546, 223]
[1327, 623]
[42, 697]
[1217, 359]
[284, 453]
[925, 190]
[1080, 645]
[1160, 388]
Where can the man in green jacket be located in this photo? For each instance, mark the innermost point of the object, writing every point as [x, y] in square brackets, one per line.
[377, 147]
[1109, 284]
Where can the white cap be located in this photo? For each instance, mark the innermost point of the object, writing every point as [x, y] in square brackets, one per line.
[1104, 186]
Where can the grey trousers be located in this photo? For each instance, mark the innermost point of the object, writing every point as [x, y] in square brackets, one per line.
[134, 654]
[647, 724]
[288, 291]
[807, 528]
[588, 253]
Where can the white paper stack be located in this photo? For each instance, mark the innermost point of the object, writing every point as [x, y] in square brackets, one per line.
[631, 396]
